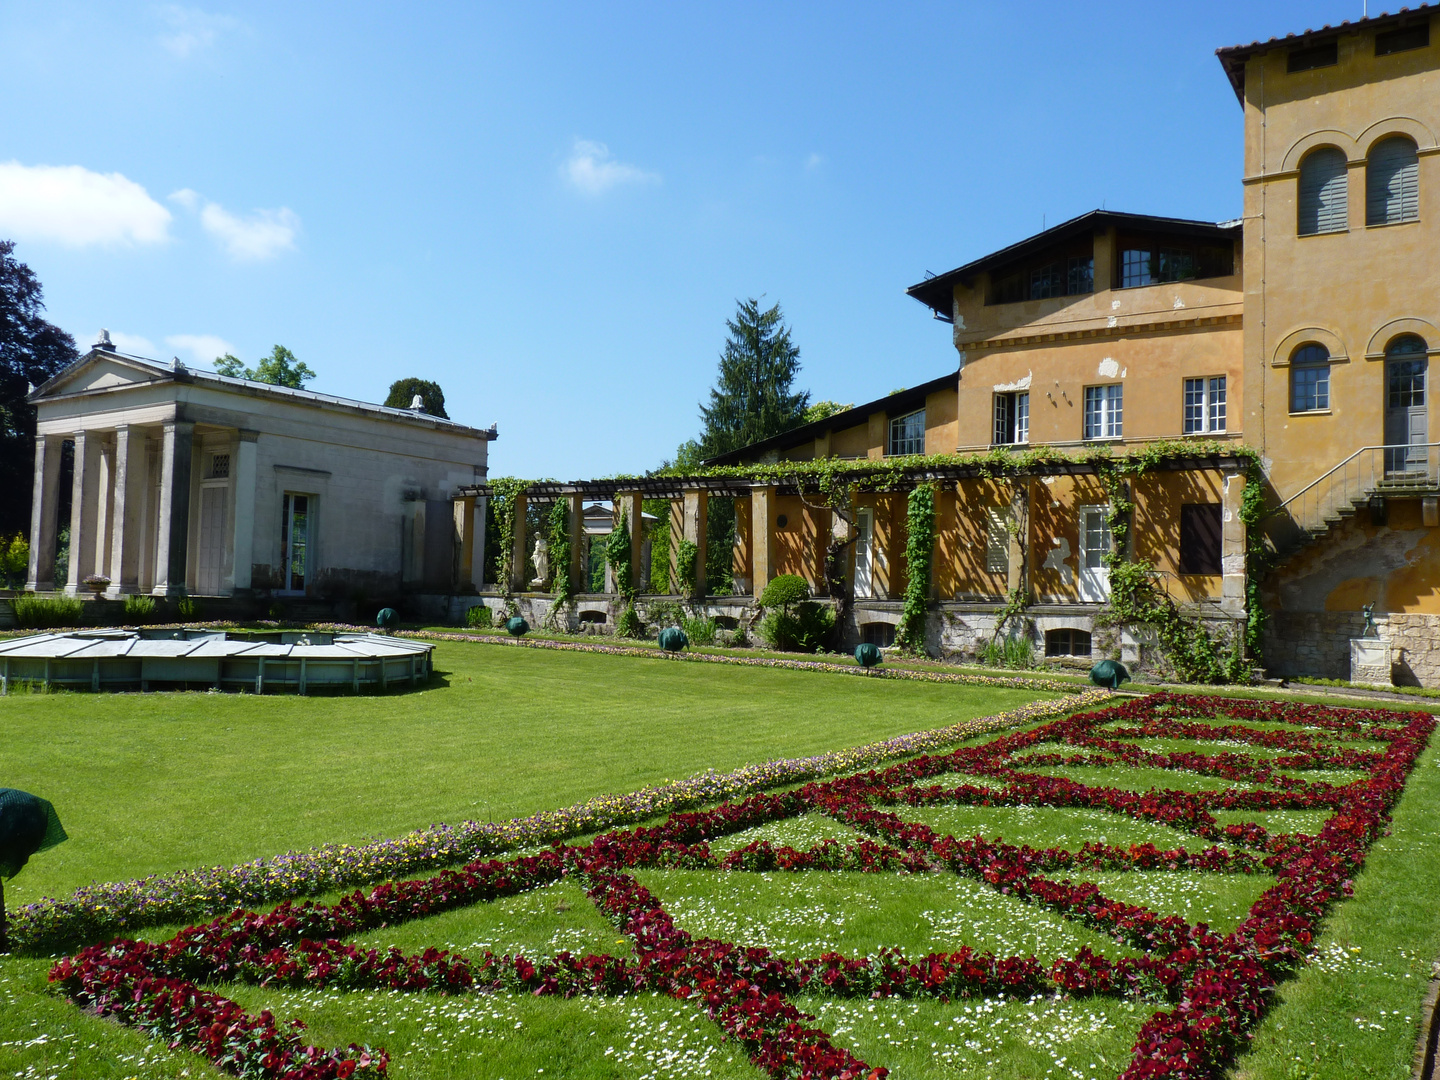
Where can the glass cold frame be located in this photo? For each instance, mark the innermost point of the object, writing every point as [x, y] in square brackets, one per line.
[1104, 411]
[1310, 379]
[1205, 404]
[907, 434]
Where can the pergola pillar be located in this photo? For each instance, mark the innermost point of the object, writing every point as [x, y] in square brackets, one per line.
[628, 507]
[172, 536]
[243, 544]
[84, 500]
[40, 575]
[463, 510]
[577, 569]
[695, 519]
[762, 537]
[518, 581]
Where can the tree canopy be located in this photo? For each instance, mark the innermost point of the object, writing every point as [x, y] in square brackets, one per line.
[32, 351]
[752, 397]
[403, 391]
[280, 368]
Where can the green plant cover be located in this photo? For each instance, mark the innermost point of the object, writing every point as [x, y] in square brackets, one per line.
[479, 616]
[867, 654]
[673, 639]
[1109, 673]
[516, 626]
[386, 617]
[28, 824]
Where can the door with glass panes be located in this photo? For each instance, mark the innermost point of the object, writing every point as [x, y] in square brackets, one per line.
[1407, 423]
[1094, 546]
[295, 542]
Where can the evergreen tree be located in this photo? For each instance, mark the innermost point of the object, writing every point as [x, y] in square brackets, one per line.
[31, 351]
[752, 397]
[403, 391]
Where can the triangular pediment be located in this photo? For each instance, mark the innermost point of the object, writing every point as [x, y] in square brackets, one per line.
[98, 370]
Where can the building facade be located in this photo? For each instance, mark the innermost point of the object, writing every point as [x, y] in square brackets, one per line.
[188, 483]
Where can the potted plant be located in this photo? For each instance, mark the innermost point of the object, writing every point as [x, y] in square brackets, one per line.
[97, 584]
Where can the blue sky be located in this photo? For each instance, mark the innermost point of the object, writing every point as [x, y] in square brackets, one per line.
[551, 209]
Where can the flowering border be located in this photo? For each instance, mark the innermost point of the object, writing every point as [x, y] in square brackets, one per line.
[94, 912]
[1218, 986]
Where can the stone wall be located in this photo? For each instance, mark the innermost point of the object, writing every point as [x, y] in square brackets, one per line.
[1317, 644]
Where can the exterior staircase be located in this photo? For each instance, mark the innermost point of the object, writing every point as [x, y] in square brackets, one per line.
[1310, 515]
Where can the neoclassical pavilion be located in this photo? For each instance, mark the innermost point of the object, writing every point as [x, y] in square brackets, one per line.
[187, 482]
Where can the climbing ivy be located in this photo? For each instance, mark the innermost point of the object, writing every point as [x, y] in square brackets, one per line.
[504, 491]
[919, 556]
[617, 554]
[687, 555]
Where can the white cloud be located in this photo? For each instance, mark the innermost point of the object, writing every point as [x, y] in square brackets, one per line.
[192, 29]
[204, 348]
[814, 161]
[262, 235]
[593, 171]
[78, 207]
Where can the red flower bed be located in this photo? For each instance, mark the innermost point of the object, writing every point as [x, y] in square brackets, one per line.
[1213, 987]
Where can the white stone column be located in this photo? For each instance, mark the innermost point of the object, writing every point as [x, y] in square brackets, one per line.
[125, 513]
[43, 511]
[84, 497]
[173, 534]
[104, 490]
[242, 476]
[482, 520]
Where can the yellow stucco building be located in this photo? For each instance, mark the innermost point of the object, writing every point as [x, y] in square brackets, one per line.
[1288, 349]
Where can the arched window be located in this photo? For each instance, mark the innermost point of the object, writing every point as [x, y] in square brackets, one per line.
[1324, 192]
[1392, 182]
[1310, 378]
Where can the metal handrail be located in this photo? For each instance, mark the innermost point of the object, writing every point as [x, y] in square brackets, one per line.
[1367, 470]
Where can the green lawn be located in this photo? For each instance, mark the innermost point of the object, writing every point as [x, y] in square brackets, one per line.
[515, 731]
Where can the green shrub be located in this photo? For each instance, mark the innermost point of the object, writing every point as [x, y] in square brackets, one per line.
[687, 556]
[806, 629]
[1012, 652]
[188, 607]
[479, 617]
[629, 624]
[14, 561]
[700, 630]
[139, 609]
[785, 590]
[41, 613]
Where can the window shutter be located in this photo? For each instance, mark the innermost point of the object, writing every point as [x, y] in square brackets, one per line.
[1200, 538]
[1392, 182]
[997, 542]
[1323, 192]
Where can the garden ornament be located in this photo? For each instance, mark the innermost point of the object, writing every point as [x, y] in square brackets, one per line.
[28, 824]
[386, 618]
[673, 639]
[1369, 612]
[1109, 673]
[867, 654]
[515, 626]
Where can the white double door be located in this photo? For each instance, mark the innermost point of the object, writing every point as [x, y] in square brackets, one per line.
[864, 551]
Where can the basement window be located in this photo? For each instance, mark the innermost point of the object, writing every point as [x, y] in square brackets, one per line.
[879, 634]
[1067, 641]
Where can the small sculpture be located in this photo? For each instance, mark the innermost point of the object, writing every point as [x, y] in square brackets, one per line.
[1368, 611]
[541, 556]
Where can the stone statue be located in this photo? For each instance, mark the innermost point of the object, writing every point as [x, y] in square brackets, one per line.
[541, 556]
[1368, 611]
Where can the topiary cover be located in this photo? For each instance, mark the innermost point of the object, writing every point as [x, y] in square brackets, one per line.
[386, 617]
[1109, 673]
[867, 655]
[516, 626]
[673, 639]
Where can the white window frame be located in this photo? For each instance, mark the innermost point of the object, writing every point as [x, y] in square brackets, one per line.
[1012, 418]
[911, 434]
[1205, 401]
[1104, 412]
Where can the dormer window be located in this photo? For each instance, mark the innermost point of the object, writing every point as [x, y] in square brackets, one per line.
[1403, 39]
[1326, 54]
